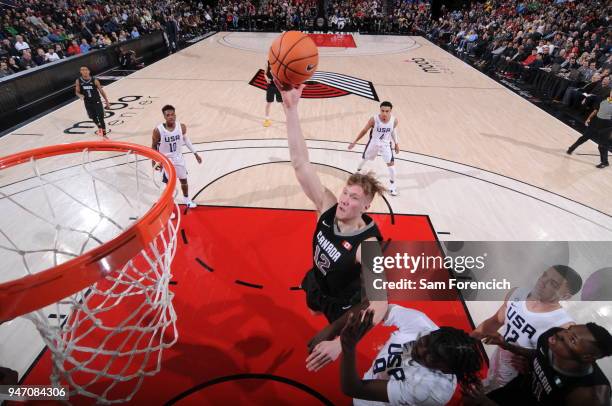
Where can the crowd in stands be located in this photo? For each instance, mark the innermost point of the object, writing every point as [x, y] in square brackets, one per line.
[36, 32]
[561, 50]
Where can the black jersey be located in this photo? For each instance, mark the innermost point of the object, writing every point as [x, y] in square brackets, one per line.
[334, 253]
[544, 385]
[549, 386]
[89, 90]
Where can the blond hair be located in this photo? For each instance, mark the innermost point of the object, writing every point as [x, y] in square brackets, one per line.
[368, 183]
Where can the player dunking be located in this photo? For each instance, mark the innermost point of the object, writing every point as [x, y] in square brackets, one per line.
[333, 284]
[383, 130]
[168, 138]
[89, 89]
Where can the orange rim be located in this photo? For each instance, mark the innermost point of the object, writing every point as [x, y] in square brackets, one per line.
[32, 292]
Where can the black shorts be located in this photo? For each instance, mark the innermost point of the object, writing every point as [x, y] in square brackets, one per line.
[330, 306]
[513, 393]
[273, 92]
[94, 110]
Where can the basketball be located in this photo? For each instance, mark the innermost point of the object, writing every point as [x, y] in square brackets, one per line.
[293, 58]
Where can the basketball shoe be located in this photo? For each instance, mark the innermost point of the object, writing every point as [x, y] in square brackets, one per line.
[393, 189]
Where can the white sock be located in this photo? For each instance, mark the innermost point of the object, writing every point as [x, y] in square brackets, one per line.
[360, 167]
[186, 199]
[392, 173]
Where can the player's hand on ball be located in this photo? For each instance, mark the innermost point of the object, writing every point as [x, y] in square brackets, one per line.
[351, 145]
[356, 327]
[291, 96]
[322, 354]
[198, 158]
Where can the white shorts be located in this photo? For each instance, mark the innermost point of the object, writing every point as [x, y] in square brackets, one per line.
[373, 149]
[180, 168]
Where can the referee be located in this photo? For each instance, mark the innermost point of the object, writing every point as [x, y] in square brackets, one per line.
[89, 89]
[599, 129]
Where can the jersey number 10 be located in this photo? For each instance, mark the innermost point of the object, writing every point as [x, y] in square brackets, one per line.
[173, 147]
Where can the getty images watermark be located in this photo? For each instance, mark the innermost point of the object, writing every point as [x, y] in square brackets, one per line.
[418, 270]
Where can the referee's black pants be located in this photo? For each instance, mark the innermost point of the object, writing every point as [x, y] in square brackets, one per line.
[596, 132]
[605, 143]
[95, 111]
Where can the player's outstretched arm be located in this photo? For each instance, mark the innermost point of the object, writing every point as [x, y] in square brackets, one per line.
[304, 170]
[352, 385]
[363, 132]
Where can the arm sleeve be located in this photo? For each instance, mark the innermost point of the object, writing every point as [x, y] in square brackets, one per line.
[189, 145]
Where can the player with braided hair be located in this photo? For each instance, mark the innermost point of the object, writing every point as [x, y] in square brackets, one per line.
[419, 365]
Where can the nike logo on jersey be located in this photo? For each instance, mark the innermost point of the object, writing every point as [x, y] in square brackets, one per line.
[325, 224]
[346, 307]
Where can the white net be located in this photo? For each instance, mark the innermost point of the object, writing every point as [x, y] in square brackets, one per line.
[107, 338]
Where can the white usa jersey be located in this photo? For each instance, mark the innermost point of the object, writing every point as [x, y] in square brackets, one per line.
[410, 383]
[171, 143]
[381, 132]
[522, 327]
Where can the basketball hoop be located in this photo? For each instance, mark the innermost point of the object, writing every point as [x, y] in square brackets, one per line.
[87, 246]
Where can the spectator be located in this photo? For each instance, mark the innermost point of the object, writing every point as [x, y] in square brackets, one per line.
[73, 49]
[26, 61]
[574, 95]
[6, 49]
[59, 51]
[86, 32]
[5, 70]
[20, 44]
[172, 33]
[51, 56]
[40, 57]
[134, 34]
[84, 47]
[13, 65]
[600, 91]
